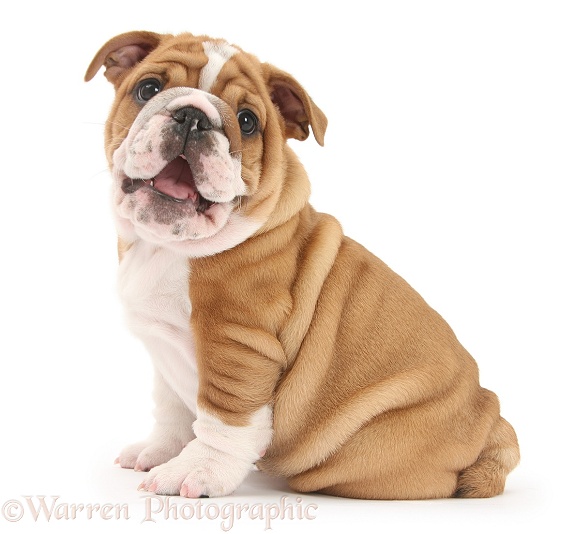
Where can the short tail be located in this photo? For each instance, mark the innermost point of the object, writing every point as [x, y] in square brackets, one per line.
[486, 477]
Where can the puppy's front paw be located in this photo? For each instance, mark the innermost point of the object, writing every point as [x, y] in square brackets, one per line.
[199, 470]
[145, 455]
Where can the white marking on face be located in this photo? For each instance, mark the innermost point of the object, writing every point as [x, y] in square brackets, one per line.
[197, 99]
[142, 160]
[218, 54]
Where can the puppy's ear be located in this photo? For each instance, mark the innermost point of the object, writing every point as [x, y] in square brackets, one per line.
[121, 53]
[295, 105]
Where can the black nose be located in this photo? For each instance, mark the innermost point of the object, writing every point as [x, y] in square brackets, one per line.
[191, 118]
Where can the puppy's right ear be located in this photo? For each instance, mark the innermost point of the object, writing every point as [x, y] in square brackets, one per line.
[121, 53]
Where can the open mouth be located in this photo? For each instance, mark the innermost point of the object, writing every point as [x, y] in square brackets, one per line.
[175, 182]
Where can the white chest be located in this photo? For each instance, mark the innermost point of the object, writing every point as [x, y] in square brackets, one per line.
[153, 286]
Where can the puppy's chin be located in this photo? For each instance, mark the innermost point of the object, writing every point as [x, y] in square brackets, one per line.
[178, 225]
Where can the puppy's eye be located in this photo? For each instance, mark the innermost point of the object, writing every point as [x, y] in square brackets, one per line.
[147, 89]
[248, 121]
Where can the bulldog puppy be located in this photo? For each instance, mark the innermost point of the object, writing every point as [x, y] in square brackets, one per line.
[277, 342]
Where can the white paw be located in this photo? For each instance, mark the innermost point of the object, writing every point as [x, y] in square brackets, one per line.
[199, 470]
[145, 455]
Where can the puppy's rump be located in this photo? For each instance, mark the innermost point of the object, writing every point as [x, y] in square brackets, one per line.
[357, 471]
[388, 402]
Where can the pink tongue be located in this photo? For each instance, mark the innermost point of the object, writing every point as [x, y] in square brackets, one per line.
[176, 180]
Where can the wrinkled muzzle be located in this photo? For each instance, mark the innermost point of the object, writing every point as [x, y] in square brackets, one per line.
[178, 172]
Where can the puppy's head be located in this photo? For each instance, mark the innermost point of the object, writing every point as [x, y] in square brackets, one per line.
[196, 139]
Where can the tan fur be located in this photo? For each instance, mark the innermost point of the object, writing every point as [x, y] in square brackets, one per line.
[373, 395]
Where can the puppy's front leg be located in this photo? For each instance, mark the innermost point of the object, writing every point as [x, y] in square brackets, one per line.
[171, 432]
[239, 368]
[217, 461]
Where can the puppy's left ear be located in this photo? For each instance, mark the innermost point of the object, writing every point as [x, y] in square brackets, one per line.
[296, 107]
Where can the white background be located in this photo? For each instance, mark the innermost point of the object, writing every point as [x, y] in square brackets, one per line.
[449, 154]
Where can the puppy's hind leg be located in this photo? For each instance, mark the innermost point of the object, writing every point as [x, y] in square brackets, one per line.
[486, 477]
[171, 433]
